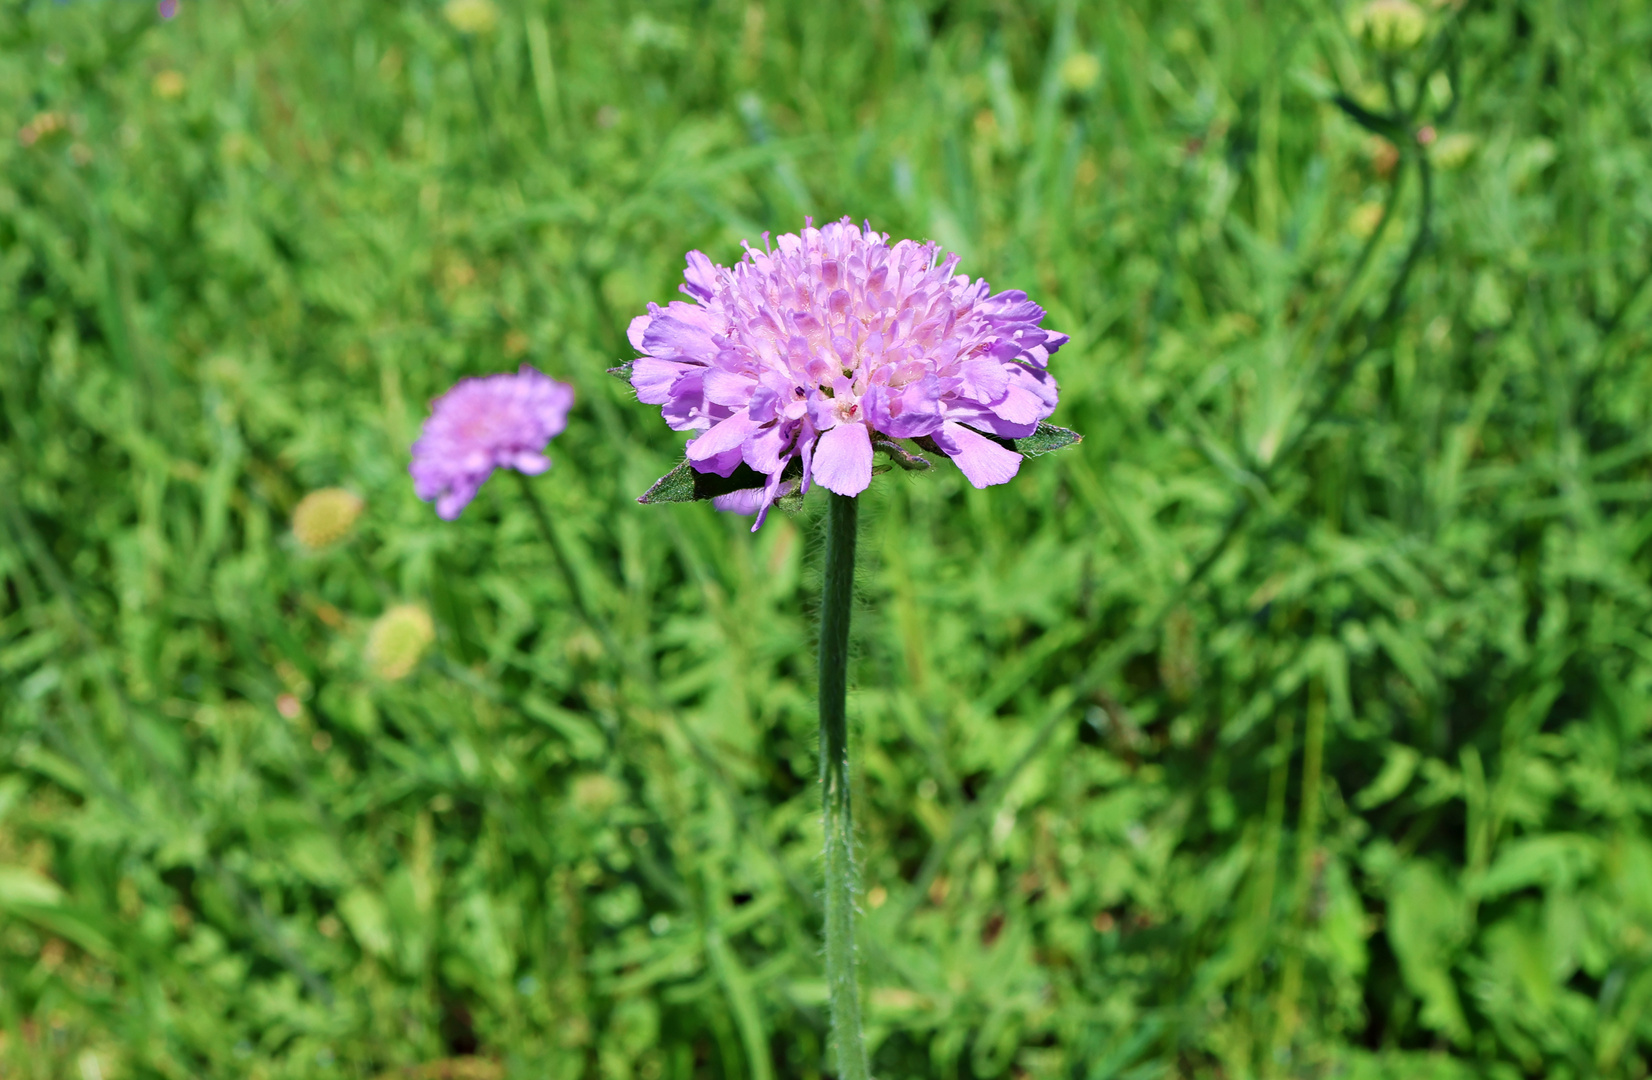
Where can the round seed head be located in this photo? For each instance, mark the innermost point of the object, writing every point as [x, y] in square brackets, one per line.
[1392, 26]
[398, 641]
[169, 84]
[594, 793]
[1080, 72]
[472, 16]
[323, 518]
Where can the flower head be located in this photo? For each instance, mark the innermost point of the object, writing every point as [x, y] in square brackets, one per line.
[483, 424]
[801, 359]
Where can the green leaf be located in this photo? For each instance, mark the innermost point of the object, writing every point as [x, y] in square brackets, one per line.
[30, 895]
[1426, 926]
[1046, 440]
[20, 885]
[1556, 860]
[684, 484]
[622, 372]
[1399, 765]
[368, 920]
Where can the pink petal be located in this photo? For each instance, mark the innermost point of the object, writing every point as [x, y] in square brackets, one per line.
[982, 461]
[701, 276]
[726, 436]
[653, 379]
[986, 380]
[1020, 406]
[639, 327]
[681, 332]
[728, 388]
[450, 504]
[744, 501]
[843, 459]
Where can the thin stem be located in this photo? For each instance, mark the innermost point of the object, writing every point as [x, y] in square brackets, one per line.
[1279, 778]
[841, 512]
[1289, 1018]
[559, 551]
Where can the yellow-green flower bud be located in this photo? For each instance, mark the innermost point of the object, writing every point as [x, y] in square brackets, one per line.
[595, 793]
[398, 640]
[1080, 72]
[472, 16]
[325, 517]
[1452, 151]
[1393, 26]
[1179, 655]
[1365, 219]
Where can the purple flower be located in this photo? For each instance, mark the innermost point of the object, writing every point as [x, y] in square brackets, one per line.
[483, 424]
[835, 341]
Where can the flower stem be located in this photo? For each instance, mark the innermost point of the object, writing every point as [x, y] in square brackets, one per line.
[559, 551]
[844, 993]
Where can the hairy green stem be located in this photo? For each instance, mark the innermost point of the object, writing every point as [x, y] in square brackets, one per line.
[841, 512]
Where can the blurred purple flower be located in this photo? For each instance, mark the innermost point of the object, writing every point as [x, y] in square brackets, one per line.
[483, 424]
[167, 8]
[811, 350]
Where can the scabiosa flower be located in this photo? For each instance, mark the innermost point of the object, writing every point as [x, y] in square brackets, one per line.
[800, 360]
[483, 424]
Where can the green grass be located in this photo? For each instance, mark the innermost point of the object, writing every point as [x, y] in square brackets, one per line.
[1293, 724]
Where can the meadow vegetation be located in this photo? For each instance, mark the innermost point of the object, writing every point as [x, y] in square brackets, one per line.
[1292, 725]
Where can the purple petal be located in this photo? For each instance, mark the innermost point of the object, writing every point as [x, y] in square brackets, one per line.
[843, 459]
[719, 450]
[982, 461]
[681, 332]
[653, 379]
[747, 501]
[767, 449]
[449, 506]
[728, 387]
[700, 278]
[638, 328]
[724, 436]
[984, 380]
[1019, 406]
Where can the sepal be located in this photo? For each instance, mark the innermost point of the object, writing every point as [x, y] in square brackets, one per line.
[684, 484]
[899, 455]
[1046, 440]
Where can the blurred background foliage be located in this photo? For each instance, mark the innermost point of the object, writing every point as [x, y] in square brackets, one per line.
[1295, 724]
